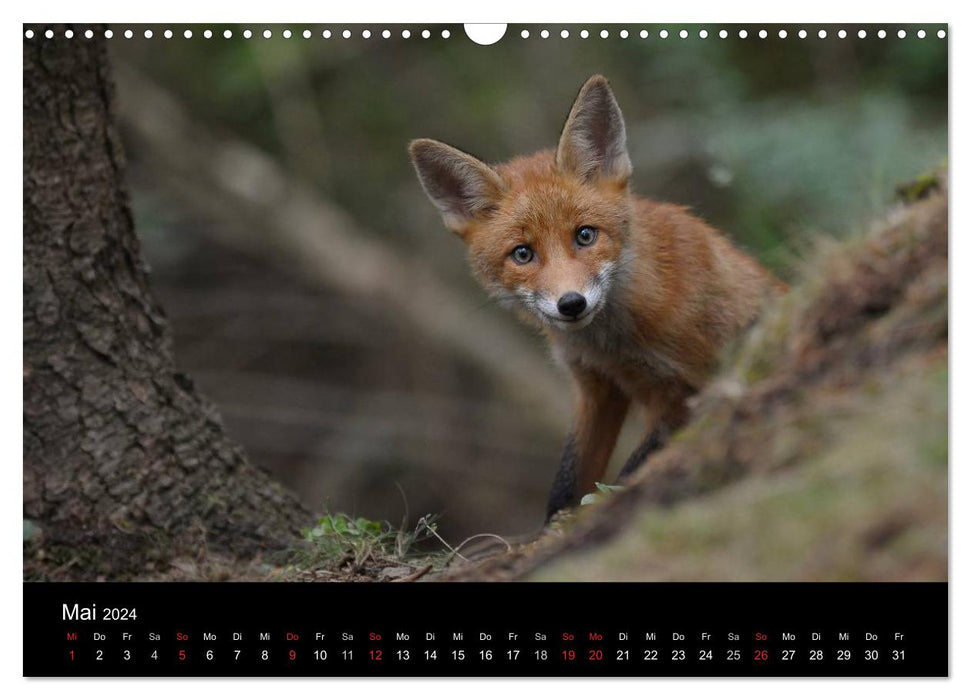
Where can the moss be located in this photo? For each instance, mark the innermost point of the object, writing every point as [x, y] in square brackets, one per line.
[919, 188]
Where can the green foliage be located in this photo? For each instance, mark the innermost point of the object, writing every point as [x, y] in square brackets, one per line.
[919, 188]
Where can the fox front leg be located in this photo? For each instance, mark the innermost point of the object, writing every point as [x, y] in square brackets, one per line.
[600, 412]
[672, 416]
[655, 440]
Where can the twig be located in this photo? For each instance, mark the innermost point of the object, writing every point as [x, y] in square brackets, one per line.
[64, 567]
[485, 534]
[400, 547]
[414, 576]
[423, 522]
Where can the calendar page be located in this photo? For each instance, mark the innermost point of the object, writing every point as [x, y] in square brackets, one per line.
[485, 350]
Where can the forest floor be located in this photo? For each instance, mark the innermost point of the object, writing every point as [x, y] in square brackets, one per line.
[819, 452]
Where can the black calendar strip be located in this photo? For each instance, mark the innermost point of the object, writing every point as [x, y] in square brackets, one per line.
[470, 629]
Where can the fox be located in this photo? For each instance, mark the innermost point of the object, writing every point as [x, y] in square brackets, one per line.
[637, 298]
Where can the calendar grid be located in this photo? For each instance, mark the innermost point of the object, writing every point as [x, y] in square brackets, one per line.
[652, 630]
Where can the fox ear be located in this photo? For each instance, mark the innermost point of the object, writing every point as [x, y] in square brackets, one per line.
[594, 141]
[461, 186]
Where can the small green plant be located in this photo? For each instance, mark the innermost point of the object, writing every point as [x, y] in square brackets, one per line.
[598, 495]
[337, 536]
[340, 542]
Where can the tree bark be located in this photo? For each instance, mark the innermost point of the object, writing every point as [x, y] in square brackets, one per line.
[126, 466]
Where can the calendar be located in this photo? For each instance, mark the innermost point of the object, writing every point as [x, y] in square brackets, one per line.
[753, 630]
[515, 350]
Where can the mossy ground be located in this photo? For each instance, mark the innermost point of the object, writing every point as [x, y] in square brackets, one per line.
[863, 499]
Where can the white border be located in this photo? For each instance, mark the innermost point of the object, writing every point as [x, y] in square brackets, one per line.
[706, 11]
[710, 11]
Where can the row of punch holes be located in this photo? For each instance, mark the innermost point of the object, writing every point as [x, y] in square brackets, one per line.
[525, 33]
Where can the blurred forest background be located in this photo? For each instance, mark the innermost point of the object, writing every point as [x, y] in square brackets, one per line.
[319, 302]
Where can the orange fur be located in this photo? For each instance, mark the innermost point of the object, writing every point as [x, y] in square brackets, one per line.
[666, 291]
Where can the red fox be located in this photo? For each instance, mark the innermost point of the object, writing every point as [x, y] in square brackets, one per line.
[636, 297]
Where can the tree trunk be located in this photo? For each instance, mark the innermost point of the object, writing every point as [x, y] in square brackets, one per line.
[126, 466]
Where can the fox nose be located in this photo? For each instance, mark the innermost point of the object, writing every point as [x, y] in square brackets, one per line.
[571, 304]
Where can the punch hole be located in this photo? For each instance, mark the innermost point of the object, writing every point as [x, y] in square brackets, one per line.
[207, 34]
[663, 34]
[29, 34]
[861, 33]
[247, 34]
[683, 34]
[941, 34]
[624, 34]
[405, 34]
[783, 33]
[69, 34]
[584, 34]
[565, 34]
[524, 34]
[763, 34]
[167, 33]
[643, 34]
[703, 34]
[545, 33]
[723, 34]
[425, 34]
[487, 34]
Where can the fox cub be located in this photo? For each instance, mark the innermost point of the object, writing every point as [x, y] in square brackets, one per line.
[636, 297]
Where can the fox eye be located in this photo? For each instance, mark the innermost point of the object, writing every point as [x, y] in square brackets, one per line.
[586, 235]
[522, 254]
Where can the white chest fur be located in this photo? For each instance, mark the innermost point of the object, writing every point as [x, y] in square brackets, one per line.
[611, 346]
